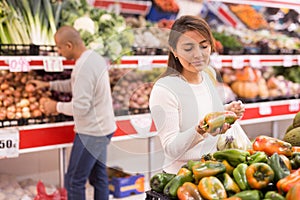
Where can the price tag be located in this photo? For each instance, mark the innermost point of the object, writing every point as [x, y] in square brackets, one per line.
[287, 61]
[18, 64]
[53, 64]
[145, 63]
[294, 106]
[238, 62]
[9, 142]
[255, 62]
[216, 61]
[265, 109]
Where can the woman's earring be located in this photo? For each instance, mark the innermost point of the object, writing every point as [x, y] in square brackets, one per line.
[176, 58]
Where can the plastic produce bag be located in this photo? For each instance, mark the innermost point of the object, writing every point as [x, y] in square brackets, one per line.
[235, 137]
[59, 194]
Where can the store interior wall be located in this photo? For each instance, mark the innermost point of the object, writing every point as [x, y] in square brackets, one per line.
[131, 155]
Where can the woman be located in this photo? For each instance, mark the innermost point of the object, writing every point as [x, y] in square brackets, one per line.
[185, 93]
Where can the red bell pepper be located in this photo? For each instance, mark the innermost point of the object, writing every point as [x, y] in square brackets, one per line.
[286, 183]
[293, 193]
[272, 145]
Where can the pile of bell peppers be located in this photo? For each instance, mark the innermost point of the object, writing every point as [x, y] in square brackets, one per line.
[270, 170]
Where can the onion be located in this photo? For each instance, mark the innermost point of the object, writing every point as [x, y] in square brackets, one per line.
[36, 113]
[2, 113]
[25, 109]
[9, 91]
[26, 115]
[10, 115]
[24, 103]
[18, 115]
[17, 94]
[2, 96]
[4, 86]
[11, 108]
[32, 99]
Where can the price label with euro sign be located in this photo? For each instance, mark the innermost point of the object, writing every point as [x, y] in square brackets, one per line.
[9, 142]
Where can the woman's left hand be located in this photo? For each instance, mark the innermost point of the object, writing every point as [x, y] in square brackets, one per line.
[237, 107]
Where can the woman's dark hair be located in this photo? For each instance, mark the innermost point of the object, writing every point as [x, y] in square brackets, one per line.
[180, 26]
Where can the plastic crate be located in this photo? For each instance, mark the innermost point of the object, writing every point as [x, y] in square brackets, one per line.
[152, 195]
[26, 49]
[122, 184]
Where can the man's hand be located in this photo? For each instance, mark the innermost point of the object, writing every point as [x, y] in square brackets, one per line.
[49, 107]
[38, 84]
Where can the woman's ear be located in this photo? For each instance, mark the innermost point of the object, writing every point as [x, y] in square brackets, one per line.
[174, 52]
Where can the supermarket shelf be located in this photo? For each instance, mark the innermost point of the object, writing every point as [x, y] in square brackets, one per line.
[126, 7]
[291, 4]
[58, 135]
[34, 62]
[237, 61]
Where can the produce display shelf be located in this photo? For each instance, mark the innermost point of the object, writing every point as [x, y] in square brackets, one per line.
[51, 134]
[291, 4]
[34, 62]
[218, 61]
[37, 62]
[126, 7]
[222, 11]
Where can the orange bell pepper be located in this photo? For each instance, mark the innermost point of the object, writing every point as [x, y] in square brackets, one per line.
[286, 183]
[188, 191]
[271, 145]
[259, 175]
[211, 188]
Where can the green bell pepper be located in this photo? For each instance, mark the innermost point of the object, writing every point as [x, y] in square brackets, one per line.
[192, 163]
[229, 184]
[239, 175]
[233, 156]
[183, 175]
[258, 156]
[278, 166]
[295, 160]
[249, 195]
[160, 180]
[274, 195]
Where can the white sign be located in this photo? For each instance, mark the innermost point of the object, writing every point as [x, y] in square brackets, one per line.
[53, 64]
[294, 106]
[287, 61]
[265, 109]
[18, 64]
[255, 62]
[145, 63]
[9, 142]
[238, 62]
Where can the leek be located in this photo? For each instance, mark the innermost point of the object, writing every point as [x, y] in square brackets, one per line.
[49, 13]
